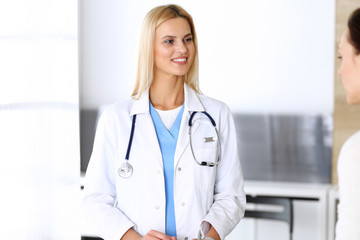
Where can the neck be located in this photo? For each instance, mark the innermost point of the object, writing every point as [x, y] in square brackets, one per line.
[167, 93]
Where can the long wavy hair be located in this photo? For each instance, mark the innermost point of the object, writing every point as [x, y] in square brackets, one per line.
[145, 68]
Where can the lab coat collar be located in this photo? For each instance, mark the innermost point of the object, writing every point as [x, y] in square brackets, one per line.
[192, 102]
[142, 104]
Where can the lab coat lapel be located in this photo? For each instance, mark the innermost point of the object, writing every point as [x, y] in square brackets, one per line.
[192, 103]
[151, 142]
[145, 126]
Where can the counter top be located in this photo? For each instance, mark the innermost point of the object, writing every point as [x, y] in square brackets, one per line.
[288, 189]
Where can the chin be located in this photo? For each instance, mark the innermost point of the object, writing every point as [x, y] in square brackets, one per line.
[355, 100]
[180, 74]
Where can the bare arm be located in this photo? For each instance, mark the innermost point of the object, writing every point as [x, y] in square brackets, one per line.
[151, 235]
[131, 235]
[213, 233]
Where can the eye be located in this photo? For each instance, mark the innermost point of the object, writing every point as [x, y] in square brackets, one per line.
[169, 41]
[339, 57]
[189, 39]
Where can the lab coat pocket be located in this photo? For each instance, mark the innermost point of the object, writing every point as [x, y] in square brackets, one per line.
[205, 175]
[207, 155]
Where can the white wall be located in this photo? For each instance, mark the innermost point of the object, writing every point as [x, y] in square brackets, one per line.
[257, 56]
[39, 120]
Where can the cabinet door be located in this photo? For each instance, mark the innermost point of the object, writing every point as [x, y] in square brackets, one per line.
[309, 223]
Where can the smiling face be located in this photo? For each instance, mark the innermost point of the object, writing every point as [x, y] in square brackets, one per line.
[174, 48]
[349, 69]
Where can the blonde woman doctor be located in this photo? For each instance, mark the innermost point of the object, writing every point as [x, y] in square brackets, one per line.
[165, 163]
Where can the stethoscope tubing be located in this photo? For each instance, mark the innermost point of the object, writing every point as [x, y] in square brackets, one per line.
[128, 166]
[208, 115]
[131, 138]
[218, 149]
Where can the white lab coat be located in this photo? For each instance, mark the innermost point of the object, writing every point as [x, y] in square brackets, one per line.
[202, 194]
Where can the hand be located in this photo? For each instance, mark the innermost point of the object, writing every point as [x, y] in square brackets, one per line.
[156, 235]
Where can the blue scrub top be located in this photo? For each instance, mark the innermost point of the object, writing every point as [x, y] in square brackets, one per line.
[167, 141]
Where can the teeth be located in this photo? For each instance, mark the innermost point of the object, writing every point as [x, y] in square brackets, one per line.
[179, 60]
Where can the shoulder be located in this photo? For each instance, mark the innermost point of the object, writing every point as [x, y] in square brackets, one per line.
[117, 110]
[354, 139]
[210, 103]
[352, 144]
[120, 107]
[350, 153]
[218, 110]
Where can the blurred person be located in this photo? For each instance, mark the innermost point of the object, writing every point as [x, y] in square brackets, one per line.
[347, 227]
[165, 163]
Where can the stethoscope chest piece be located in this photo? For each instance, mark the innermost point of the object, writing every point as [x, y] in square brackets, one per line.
[125, 170]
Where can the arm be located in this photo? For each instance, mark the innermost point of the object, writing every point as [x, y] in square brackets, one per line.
[213, 233]
[151, 235]
[100, 191]
[229, 197]
[131, 235]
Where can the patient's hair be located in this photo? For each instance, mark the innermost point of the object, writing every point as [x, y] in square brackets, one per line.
[354, 30]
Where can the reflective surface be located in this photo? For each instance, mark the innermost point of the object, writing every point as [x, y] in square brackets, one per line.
[294, 148]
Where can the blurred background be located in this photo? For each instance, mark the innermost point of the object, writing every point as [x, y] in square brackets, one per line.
[273, 63]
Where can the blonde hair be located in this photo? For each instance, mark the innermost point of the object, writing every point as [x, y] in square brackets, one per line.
[145, 68]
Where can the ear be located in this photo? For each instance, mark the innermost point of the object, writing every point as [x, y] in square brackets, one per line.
[357, 61]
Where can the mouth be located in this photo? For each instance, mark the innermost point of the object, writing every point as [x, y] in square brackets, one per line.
[179, 60]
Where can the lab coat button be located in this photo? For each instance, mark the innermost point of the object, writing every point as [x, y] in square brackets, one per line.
[156, 207]
[179, 169]
[182, 204]
[186, 238]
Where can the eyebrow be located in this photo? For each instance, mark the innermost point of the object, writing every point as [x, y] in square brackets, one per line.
[169, 36]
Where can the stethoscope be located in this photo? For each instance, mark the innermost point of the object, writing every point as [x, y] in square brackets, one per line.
[126, 170]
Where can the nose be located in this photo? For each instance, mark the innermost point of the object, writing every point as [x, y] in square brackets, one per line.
[181, 48]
